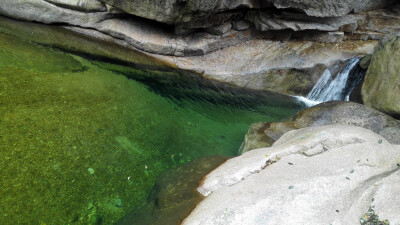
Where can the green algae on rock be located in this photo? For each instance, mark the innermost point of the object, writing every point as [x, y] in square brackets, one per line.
[370, 218]
[381, 88]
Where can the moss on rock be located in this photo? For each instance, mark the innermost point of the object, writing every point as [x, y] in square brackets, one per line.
[381, 88]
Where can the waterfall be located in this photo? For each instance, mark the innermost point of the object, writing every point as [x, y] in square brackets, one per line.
[338, 88]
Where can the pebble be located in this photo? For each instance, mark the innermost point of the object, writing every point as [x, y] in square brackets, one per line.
[118, 202]
[91, 170]
[90, 206]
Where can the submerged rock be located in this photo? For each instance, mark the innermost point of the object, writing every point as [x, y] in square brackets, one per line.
[175, 194]
[381, 88]
[334, 112]
[327, 174]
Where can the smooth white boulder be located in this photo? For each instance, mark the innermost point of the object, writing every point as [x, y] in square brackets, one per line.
[317, 175]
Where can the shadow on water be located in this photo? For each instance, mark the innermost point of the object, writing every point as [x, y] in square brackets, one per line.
[83, 144]
[182, 86]
[174, 195]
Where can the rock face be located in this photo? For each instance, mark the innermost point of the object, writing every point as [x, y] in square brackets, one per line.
[175, 11]
[330, 8]
[183, 11]
[266, 20]
[80, 5]
[381, 88]
[291, 67]
[207, 25]
[319, 175]
[261, 45]
[140, 34]
[45, 12]
[335, 112]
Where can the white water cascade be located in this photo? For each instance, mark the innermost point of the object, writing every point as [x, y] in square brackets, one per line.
[338, 88]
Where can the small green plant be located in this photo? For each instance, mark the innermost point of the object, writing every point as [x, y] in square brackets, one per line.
[370, 218]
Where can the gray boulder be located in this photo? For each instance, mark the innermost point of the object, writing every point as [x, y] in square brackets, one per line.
[334, 112]
[220, 29]
[318, 175]
[381, 88]
[241, 25]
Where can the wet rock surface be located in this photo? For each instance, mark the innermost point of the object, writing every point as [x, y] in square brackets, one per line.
[329, 174]
[381, 88]
[328, 113]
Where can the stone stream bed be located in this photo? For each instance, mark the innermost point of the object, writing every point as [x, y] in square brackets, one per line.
[83, 141]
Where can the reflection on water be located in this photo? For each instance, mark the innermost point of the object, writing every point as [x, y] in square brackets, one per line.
[80, 143]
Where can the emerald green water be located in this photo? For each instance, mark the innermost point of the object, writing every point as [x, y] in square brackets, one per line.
[81, 143]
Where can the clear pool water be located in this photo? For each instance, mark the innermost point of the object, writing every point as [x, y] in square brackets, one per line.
[82, 141]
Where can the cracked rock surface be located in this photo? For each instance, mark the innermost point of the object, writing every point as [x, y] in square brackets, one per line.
[317, 175]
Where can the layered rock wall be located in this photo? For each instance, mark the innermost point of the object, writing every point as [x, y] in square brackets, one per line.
[209, 25]
[280, 46]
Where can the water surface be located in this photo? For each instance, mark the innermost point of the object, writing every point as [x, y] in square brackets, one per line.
[82, 141]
